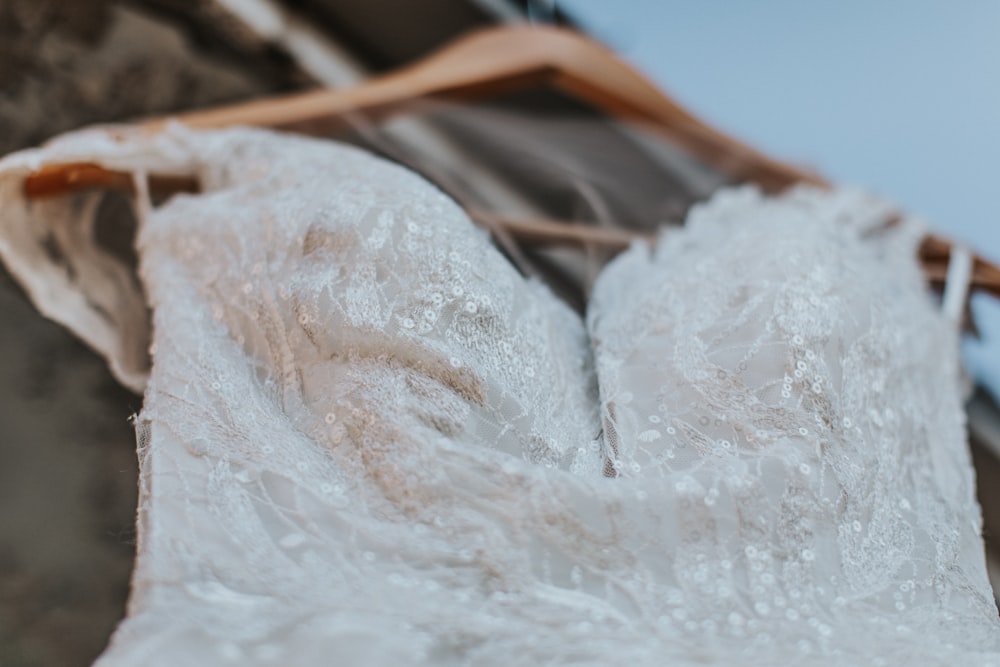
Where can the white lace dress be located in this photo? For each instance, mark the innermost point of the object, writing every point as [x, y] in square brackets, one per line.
[366, 440]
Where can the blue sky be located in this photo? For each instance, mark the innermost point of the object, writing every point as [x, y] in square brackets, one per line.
[901, 97]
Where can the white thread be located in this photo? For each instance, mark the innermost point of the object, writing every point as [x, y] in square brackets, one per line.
[143, 204]
[956, 286]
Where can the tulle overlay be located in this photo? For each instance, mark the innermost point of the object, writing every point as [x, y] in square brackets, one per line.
[367, 440]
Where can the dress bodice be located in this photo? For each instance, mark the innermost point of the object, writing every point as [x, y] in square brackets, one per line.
[366, 437]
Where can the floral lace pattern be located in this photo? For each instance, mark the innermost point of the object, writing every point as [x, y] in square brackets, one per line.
[366, 439]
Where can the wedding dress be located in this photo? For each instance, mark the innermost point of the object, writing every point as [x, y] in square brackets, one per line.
[366, 440]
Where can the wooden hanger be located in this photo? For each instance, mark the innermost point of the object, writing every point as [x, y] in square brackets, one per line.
[486, 63]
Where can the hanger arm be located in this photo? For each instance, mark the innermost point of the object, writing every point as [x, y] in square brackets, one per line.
[511, 57]
[489, 61]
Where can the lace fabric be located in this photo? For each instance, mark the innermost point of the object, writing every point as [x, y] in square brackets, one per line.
[366, 439]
